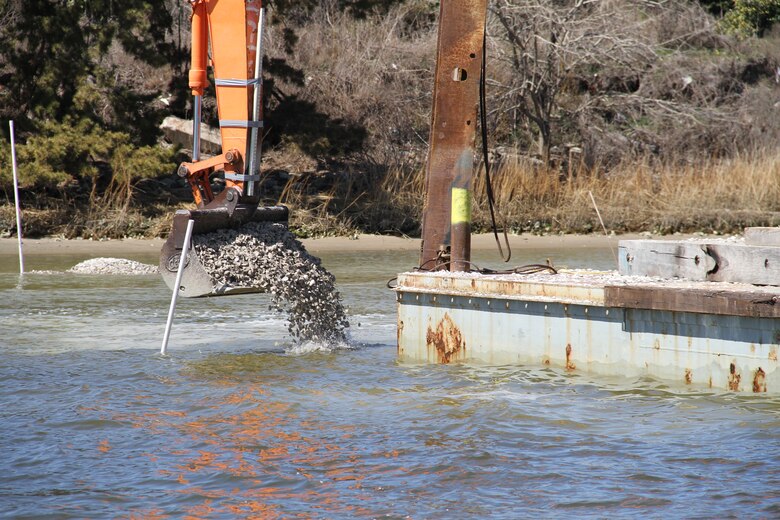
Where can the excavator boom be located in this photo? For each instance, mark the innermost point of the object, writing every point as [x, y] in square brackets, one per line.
[234, 30]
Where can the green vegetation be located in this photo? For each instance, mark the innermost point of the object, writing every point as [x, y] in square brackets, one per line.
[748, 17]
[80, 80]
[84, 169]
[83, 59]
[61, 155]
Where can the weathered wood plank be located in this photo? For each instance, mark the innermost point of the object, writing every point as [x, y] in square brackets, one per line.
[664, 258]
[759, 265]
[721, 302]
[701, 261]
[762, 236]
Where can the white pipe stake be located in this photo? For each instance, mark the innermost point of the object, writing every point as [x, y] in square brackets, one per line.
[196, 118]
[184, 251]
[16, 199]
[254, 159]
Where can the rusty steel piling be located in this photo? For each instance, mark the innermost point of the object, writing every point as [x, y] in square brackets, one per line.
[449, 172]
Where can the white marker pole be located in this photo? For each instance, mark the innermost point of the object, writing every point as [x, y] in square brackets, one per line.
[16, 199]
[184, 250]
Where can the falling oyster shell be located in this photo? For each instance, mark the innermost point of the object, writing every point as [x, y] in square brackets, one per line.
[268, 257]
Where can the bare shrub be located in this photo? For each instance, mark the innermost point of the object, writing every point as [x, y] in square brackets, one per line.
[545, 46]
[376, 72]
[641, 196]
[681, 25]
[759, 112]
[639, 79]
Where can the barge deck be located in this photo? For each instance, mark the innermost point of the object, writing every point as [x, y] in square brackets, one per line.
[714, 334]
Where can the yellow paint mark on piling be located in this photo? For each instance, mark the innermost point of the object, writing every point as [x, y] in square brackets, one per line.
[461, 205]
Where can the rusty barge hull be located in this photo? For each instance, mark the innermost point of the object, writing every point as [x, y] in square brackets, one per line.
[722, 336]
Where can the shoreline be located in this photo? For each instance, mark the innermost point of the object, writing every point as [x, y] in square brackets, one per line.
[103, 248]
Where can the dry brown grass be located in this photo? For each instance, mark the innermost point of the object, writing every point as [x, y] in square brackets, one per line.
[720, 196]
[714, 196]
[349, 202]
[86, 222]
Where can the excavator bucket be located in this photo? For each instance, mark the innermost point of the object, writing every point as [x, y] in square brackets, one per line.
[196, 280]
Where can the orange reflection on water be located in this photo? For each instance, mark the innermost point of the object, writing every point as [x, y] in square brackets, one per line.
[255, 456]
[149, 514]
[104, 446]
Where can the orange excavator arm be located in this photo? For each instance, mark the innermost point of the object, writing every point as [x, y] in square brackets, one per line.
[233, 27]
[233, 30]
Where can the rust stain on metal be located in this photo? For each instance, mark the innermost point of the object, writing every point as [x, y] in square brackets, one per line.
[569, 363]
[400, 333]
[759, 381]
[734, 378]
[688, 376]
[446, 340]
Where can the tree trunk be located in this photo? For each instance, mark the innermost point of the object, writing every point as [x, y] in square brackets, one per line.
[544, 143]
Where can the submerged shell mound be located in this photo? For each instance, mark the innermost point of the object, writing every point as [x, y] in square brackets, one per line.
[268, 257]
[120, 266]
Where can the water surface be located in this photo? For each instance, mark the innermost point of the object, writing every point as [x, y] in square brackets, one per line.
[237, 422]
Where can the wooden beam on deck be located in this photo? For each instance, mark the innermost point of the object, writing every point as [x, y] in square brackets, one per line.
[762, 236]
[701, 260]
[698, 300]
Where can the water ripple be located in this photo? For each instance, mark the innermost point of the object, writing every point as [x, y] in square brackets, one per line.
[238, 423]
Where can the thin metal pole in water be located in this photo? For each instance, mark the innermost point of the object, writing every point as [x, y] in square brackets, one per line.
[606, 234]
[184, 251]
[16, 199]
[254, 153]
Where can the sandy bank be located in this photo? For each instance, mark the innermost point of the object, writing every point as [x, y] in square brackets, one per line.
[97, 248]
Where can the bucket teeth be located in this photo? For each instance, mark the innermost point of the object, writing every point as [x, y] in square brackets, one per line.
[196, 281]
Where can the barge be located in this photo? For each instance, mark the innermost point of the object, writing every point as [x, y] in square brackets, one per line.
[691, 316]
